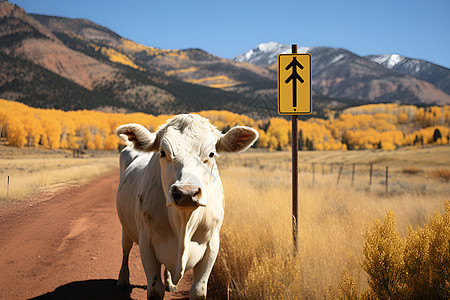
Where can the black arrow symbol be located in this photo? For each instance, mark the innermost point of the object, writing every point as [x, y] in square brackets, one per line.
[294, 77]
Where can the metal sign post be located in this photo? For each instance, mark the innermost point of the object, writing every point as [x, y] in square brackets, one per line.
[294, 171]
[294, 98]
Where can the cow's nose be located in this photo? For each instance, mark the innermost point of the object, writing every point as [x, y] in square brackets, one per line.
[186, 195]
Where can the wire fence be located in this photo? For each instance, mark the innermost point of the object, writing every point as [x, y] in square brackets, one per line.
[354, 171]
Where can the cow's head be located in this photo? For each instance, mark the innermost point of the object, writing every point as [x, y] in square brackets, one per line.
[188, 146]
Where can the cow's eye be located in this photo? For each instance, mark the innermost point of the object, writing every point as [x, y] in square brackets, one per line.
[162, 154]
[211, 155]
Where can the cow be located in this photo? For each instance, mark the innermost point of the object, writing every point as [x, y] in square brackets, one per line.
[170, 199]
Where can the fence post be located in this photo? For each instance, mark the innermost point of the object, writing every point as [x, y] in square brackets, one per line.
[340, 171]
[370, 172]
[353, 173]
[387, 176]
[7, 189]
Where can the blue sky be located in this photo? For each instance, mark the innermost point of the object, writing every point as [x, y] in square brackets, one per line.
[418, 29]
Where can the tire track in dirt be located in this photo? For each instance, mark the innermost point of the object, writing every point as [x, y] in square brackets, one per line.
[69, 246]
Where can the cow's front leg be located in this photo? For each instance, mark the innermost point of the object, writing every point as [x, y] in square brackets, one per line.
[152, 268]
[203, 269]
[124, 276]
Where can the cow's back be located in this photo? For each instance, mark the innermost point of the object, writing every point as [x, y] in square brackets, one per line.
[133, 166]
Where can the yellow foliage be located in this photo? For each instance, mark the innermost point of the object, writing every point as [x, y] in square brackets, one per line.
[34, 129]
[118, 57]
[416, 267]
[223, 85]
[432, 116]
[96, 47]
[130, 45]
[177, 54]
[268, 279]
[154, 51]
[383, 252]
[16, 131]
[187, 70]
[402, 118]
[219, 81]
[74, 35]
[54, 129]
[382, 126]
[212, 78]
[224, 119]
[98, 142]
[279, 132]
[111, 142]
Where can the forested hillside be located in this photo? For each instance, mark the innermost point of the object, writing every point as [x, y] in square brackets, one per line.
[53, 62]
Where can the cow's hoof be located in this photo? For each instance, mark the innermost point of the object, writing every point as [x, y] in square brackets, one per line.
[171, 288]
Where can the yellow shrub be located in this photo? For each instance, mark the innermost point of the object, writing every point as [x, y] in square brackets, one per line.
[383, 253]
[427, 259]
[416, 267]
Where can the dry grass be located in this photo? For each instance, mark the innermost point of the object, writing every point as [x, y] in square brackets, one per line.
[31, 170]
[256, 259]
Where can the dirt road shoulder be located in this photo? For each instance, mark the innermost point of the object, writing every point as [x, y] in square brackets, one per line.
[68, 245]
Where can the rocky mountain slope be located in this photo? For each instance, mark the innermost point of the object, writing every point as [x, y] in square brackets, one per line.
[339, 73]
[75, 64]
[424, 70]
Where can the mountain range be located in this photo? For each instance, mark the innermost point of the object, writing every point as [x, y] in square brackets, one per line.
[340, 73]
[55, 62]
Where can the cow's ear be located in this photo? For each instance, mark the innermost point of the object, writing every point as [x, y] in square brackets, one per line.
[137, 136]
[237, 139]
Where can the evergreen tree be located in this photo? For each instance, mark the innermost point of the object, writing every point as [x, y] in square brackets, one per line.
[300, 140]
[437, 135]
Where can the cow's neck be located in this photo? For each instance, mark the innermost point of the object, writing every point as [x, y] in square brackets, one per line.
[186, 231]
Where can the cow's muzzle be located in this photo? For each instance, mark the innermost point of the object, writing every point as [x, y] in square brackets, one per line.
[187, 195]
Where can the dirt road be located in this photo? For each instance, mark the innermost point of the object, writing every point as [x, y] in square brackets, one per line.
[67, 244]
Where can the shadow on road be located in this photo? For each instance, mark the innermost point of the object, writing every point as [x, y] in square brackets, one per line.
[89, 289]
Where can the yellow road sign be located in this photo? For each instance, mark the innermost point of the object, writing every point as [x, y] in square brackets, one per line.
[294, 84]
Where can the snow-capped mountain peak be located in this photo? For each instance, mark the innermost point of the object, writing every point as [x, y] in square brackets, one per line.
[270, 47]
[422, 69]
[266, 53]
[388, 60]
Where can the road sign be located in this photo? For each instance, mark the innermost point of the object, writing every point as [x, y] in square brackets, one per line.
[294, 84]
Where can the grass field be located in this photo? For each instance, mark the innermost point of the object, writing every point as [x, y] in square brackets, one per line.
[256, 258]
[33, 170]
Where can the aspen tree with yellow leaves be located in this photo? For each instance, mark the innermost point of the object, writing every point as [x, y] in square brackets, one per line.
[374, 126]
[15, 130]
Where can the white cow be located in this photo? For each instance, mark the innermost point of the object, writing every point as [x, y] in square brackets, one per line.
[171, 203]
